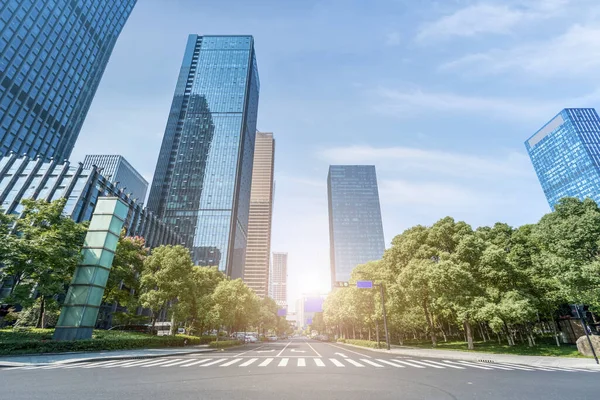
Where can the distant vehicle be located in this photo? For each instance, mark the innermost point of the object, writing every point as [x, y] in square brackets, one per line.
[273, 338]
[250, 339]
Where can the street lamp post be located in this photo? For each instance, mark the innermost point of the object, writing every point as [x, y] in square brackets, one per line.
[385, 327]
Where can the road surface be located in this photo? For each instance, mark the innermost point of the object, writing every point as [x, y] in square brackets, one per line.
[296, 369]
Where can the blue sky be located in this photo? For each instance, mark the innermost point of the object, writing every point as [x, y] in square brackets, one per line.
[439, 95]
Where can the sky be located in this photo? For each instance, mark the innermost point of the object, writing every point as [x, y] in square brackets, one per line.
[438, 95]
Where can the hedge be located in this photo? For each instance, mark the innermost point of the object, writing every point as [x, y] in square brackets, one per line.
[36, 341]
[221, 344]
[363, 343]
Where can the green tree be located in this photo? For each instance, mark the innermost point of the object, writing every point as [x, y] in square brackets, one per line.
[165, 278]
[235, 305]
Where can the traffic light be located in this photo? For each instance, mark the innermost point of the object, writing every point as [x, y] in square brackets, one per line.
[341, 284]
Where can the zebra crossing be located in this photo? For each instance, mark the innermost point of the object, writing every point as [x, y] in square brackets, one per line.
[302, 363]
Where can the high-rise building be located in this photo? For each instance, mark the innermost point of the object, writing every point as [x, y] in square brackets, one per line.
[279, 278]
[355, 228]
[566, 155]
[52, 56]
[203, 174]
[115, 168]
[256, 271]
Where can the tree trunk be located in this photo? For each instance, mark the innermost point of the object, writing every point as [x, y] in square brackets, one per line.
[441, 326]
[508, 335]
[41, 320]
[353, 332]
[429, 324]
[553, 323]
[498, 336]
[377, 332]
[469, 335]
[482, 332]
[369, 333]
[521, 336]
[173, 329]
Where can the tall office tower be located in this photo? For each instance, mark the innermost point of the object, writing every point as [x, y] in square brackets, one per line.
[203, 174]
[355, 228]
[115, 168]
[566, 155]
[52, 56]
[279, 278]
[256, 271]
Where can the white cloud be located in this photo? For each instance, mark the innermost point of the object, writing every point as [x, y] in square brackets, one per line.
[407, 103]
[418, 161]
[577, 51]
[393, 39]
[473, 20]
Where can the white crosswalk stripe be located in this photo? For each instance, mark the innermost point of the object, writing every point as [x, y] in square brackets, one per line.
[100, 364]
[356, 364]
[391, 363]
[173, 363]
[159, 362]
[266, 362]
[490, 366]
[228, 363]
[426, 364]
[283, 362]
[319, 362]
[249, 362]
[117, 364]
[408, 363]
[134, 363]
[336, 362]
[301, 362]
[371, 363]
[213, 362]
[443, 365]
[195, 362]
[470, 365]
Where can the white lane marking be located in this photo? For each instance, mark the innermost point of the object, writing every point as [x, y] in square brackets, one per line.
[196, 362]
[491, 366]
[319, 362]
[116, 364]
[312, 348]
[80, 365]
[266, 362]
[409, 363]
[161, 361]
[249, 362]
[283, 362]
[336, 362]
[174, 363]
[474, 366]
[228, 363]
[351, 351]
[341, 355]
[355, 363]
[283, 349]
[371, 363]
[443, 365]
[248, 351]
[523, 367]
[425, 364]
[390, 363]
[213, 362]
[301, 362]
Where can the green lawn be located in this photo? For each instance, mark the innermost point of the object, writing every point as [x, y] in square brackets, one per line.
[543, 347]
[39, 341]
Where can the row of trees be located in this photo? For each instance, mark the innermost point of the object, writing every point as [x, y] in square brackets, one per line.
[40, 250]
[448, 280]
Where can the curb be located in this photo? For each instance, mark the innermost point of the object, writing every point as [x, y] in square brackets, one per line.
[458, 355]
[106, 358]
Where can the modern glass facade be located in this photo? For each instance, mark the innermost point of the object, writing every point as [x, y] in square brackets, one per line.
[355, 227]
[116, 169]
[52, 56]
[22, 177]
[202, 179]
[566, 155]
[256, 270]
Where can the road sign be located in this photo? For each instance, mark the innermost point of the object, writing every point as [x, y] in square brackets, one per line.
[364, 284]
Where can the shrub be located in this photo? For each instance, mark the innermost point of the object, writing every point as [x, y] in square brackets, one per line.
[225, 343]
[363, 343]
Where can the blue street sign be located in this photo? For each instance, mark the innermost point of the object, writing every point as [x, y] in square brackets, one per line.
[364, 284]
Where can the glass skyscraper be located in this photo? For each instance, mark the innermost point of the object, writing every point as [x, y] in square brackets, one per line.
[355, 227]
[115, 168]
[52, 56]
[566, 155]
[202, 179]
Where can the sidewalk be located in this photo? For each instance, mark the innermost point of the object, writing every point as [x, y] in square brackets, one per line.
[539, 361]
[70, 358]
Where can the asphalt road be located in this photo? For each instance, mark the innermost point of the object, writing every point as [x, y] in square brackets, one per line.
[295, 369]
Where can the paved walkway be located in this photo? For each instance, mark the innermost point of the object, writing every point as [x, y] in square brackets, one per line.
[539, 361]
[67, 358]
